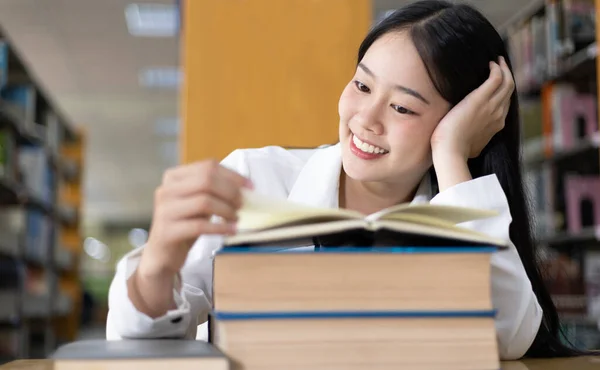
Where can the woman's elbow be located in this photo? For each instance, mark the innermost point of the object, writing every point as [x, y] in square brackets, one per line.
[515, 346]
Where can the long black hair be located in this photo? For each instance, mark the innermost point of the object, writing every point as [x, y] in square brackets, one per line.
[456, 43]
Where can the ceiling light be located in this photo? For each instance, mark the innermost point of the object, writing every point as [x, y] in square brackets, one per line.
[162, 77]
[152, 20]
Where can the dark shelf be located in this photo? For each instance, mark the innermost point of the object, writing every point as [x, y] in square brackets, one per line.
[36, 306]
[9, 191]
[574, 319]
[587, 235]
[8, 250]
[584, 146]
[11, 117]
[9, 244]
[36, 260]
[9, 309]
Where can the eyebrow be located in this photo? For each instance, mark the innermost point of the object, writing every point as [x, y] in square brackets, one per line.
[404, 89]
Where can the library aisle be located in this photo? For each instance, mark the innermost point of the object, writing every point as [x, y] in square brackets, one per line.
[88, 124]
[91, 95]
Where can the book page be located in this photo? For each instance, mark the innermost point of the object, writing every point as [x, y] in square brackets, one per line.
[261, 212]
[292, 235]
[419, 219]
[454, 215]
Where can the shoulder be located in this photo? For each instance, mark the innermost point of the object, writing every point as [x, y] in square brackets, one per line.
[271, 168]
[268, 157]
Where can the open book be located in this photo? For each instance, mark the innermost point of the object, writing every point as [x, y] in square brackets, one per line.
[268, 221]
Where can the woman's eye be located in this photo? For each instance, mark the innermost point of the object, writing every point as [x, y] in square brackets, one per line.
[361, 87]
[402, 110]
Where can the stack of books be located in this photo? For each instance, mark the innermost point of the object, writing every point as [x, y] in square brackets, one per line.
[402, 288]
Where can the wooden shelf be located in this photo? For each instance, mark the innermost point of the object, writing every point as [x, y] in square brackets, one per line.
[590, 145]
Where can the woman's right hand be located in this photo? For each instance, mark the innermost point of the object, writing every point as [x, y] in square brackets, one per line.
[183, 206]
[189, 196]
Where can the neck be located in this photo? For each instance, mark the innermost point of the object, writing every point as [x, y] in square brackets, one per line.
[371, 197]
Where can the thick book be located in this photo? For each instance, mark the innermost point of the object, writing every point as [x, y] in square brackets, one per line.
[370, 340]
[259, 279]
[266, 221]
[155, 354]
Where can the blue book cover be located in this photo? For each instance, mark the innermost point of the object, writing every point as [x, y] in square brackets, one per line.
[278, 315]
[4, 55]
[365, 249]
[23, 97]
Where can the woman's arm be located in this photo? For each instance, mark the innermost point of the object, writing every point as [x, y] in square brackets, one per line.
[450, 170]
[191, 301]
[187, 300]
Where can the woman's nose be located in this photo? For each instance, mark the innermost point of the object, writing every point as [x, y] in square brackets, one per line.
[370, 120]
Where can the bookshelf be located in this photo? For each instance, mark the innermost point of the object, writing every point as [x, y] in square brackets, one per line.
[41, 167]
[554, 53]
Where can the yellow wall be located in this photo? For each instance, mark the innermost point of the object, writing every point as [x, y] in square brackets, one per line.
[265, 72]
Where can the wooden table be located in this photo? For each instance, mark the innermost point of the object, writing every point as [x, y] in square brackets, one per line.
[580, 363]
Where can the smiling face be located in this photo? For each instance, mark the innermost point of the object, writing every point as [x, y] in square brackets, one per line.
[388, 113]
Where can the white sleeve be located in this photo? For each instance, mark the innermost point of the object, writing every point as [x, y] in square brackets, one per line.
[193, 301]
[519, 314]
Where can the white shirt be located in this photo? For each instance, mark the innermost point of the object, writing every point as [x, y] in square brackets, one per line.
[311, 176]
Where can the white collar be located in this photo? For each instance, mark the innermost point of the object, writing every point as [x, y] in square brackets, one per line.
[319, 180]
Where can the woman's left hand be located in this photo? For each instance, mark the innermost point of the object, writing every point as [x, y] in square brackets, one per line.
[468, 127]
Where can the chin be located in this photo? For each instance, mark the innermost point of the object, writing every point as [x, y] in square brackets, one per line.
[360, 170]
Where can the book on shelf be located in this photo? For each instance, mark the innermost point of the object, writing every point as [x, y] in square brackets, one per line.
[541, 45]
[30, 228]
[579, 23]
[4, 62]
[37, 176]
[54, 131]
[23, 97]
[592, 283]
[264, 220]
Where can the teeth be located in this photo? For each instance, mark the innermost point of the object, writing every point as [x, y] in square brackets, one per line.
[367, 148]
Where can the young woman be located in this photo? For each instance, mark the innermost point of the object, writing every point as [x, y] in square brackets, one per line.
[429, 116]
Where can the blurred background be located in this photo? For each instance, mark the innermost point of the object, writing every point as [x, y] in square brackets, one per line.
[99, 97]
